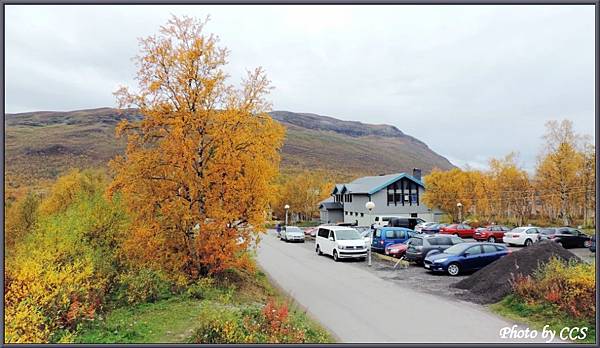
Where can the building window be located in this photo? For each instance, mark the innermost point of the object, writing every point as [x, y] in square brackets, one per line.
[362, 214]
[346, 212]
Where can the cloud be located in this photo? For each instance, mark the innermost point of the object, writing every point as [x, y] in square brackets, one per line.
[471, 81]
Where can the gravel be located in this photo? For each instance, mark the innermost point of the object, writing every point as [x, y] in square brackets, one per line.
[492, 283]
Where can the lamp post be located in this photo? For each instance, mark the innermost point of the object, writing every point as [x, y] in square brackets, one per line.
[459, 206]
[287, 207]
[370, 206]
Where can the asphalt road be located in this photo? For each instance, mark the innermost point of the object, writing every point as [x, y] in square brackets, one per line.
[357, 306]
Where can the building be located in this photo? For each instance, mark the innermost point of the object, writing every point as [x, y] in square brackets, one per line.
[331, 211]
[394, 195]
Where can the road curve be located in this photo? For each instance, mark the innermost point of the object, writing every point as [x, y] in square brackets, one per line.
[359, 307]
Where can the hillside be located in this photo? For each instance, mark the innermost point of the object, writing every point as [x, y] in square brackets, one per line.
[41, 145]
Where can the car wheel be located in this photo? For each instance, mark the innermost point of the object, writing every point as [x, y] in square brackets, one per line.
[319, 252]
[453, 269]
[492, 239]
[335, 256]
[587, 243]
[528, 242]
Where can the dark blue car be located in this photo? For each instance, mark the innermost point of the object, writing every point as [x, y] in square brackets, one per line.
[593, 244]
[384, 236]
[465, 257]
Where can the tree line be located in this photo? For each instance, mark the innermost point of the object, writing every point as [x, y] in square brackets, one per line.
[562, 189]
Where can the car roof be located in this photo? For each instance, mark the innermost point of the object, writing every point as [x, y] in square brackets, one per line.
[337, 228]
[393, 228]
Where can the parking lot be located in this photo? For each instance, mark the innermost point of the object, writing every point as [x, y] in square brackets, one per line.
[417, 277]
[358, 303]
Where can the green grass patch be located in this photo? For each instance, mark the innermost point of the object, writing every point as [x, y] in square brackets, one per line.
[167, 321]
[229, 297]
[537, 316]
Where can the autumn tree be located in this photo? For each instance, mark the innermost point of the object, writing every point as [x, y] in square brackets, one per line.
[557, 170]
[198, 166]
[302, 192]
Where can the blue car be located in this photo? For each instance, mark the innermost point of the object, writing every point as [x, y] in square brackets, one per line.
[384, 236]
[465, 257]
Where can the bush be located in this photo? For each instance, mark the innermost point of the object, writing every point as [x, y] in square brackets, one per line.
[141, 286]
[570, 287]
[63, 270]
[271, 324]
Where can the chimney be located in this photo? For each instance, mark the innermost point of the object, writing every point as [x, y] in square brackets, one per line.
[417, 173]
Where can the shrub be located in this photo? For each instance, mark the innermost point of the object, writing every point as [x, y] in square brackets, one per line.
[570, 287]
[62, 271]
[271, 324]
[141, 286]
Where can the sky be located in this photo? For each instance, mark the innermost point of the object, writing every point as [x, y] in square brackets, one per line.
[472, 82]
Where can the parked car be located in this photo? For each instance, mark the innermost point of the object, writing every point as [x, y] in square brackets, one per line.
[396, 250]
[593, 244]
[420, 246]
[422, 225]
[433, 228]
[292, 233]
[567, 237]
[460, 230]
[366, 235]
[522, 236]
[385, 236]
[409, 223]
[465, 257]
[340, 242]
[311, 231]
[491, 233]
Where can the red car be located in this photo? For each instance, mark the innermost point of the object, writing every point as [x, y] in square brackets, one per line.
[461, 230]
[491, 233]
[311, 231]
[396, 250]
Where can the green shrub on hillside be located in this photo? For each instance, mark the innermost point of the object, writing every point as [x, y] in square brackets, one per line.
[570, 287]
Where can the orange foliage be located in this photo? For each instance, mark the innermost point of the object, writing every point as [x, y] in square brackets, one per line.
[199, 166]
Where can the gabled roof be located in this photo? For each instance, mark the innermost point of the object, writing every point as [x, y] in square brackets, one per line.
[330, 204]
[371, 184]
[337, 189]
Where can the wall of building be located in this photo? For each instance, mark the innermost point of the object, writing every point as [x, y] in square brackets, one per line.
[382, 208]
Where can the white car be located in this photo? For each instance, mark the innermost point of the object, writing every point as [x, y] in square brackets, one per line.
[292, 233]
[522, 236]
[420, 226]
[340, 242]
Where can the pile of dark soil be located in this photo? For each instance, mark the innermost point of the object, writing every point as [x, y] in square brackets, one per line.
[492, 283]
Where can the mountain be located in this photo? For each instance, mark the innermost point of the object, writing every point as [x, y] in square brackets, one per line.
[41, 145]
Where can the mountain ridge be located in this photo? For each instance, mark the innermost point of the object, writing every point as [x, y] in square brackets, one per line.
[43, 144]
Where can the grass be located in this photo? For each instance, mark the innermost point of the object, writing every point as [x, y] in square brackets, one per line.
[537, 316]
[175, 320]
[168, 321]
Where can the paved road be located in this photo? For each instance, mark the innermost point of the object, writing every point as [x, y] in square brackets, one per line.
[359, 307]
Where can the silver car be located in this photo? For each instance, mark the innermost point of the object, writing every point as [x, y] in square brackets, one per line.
[292, 234]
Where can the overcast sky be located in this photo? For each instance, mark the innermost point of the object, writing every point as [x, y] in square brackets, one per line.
[473, 82]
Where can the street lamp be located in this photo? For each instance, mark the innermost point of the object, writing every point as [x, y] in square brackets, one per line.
[459, 206]
[287, 207]
[370, 206]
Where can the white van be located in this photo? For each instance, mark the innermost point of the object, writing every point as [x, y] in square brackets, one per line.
[340, 242]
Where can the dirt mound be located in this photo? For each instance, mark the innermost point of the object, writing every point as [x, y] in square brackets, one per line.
[492, 283]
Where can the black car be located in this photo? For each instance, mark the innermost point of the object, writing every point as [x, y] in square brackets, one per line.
[420, 246]
[593, 244]
[409, 223]
[433, 228]
[567, 237]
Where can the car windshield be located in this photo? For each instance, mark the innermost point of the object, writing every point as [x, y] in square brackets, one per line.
[548, 231]
[456, 249]
[293, 229]
[347, 235]
[519, 229]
